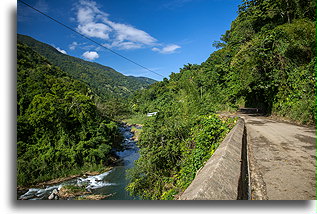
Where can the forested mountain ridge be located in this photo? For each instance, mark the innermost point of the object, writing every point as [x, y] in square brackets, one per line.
[60, 129]
[103, 80]
[265, 60]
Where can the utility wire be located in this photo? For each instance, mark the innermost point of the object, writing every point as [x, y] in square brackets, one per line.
[97, 43]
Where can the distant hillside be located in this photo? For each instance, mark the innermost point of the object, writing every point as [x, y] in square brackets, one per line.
[59, 126]
[104, 81]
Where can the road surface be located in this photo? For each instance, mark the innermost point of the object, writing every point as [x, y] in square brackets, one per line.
[282, 160]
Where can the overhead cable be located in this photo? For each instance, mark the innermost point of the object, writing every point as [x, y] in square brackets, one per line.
[97, 43]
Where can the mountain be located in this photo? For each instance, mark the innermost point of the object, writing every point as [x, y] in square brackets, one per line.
[103, 80]
[59, 126]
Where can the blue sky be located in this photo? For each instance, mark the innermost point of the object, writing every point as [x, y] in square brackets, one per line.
[161, 35]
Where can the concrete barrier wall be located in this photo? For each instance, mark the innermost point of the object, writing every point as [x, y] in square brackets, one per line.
[220, 178]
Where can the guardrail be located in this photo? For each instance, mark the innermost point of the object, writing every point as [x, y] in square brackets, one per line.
[225, 175]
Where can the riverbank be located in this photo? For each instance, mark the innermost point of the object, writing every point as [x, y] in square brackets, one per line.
[63, 179]
[107, 183]
[136, 119]
[136, 122]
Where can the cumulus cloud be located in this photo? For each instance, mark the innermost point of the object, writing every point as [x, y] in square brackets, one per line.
[90, 55]
[167, 49]
[93, 22]
[128, 33]
[97, 30]
[61, 50]
[88, 18]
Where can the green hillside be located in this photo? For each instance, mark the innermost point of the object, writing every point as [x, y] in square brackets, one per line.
[60, 129]
[266, 60]
[104, 81]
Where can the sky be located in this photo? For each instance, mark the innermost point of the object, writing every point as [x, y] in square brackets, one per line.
[161, 35]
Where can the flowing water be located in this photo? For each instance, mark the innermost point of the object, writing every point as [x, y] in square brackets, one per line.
[111, 183]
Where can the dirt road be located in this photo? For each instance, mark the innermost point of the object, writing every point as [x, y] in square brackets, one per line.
[282, 160]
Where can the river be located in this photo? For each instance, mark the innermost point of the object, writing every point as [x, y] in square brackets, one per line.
[111, 183]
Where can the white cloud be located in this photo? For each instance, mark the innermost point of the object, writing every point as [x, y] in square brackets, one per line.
[88, 16]
[167, 49]
[123, 45]
[156, 49]
[88, 47]
[125, 32]
[97, 30]
[90, 55]
[85, 15]
[93, 22]
[61, 50]
[73, 46]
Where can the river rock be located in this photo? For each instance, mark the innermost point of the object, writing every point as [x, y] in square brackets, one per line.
[54, 195]
[51, 197]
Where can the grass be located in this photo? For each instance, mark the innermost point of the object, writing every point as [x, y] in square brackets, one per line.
[136, 133]
[138, 119]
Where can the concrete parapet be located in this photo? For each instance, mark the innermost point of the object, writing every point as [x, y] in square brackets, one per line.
[221, 178]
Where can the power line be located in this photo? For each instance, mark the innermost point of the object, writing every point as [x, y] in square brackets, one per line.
[97, 43]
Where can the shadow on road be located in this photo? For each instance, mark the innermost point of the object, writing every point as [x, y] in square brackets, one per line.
[254, 112]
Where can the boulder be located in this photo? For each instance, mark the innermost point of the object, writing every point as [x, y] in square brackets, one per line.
[54, 195]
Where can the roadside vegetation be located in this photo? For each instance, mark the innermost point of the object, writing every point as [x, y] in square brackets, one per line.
[67, 123]
[266, 60]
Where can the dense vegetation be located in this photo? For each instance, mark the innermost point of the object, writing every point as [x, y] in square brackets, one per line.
[266, 60]
[60, 129]
[103, 80]
[173, 149]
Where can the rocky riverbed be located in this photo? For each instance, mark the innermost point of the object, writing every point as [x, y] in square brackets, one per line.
[109, 185]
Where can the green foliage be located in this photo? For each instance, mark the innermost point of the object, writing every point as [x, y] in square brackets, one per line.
[205, 138]
[272, 66]
[274, 71]
[104, 81]
[59, 126]
[172, 150]
[138, 119]
[266, 60]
